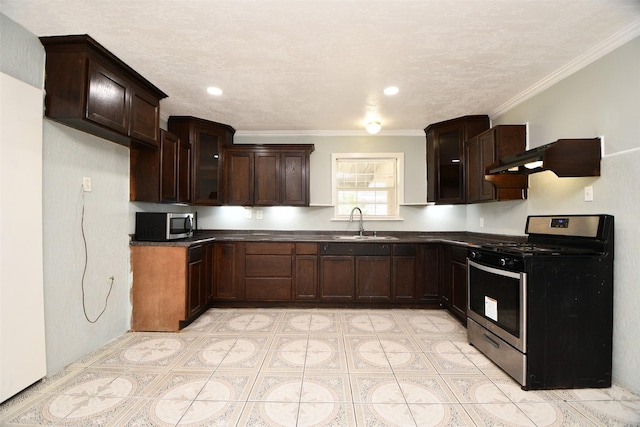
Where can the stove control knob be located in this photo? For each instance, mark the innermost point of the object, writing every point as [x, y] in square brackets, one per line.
[507, 262]
[475, 255]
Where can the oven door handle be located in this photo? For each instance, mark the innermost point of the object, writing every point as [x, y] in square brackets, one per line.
[491, 341]
[494, 270]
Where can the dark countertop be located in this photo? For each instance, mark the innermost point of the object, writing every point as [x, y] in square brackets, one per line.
[208, 236]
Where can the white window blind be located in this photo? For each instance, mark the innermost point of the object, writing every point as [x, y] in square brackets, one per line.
[368, 181]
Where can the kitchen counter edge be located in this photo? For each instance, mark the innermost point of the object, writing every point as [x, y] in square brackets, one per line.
[209, 236]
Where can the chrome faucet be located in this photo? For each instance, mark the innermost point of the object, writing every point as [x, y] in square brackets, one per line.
[361, 221]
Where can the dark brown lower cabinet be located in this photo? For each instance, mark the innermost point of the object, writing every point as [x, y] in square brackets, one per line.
[430, 269]
[336, 278]
[209, 272]
[268, 271]
[455, 281]
[355, 271]
[373, 278]
[173, 285]
[196, 294]
[306, 272]
[404, 272]
[404, 278]
[228, 268]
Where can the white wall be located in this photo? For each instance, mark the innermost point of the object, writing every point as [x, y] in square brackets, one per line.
[68, 155]
[603, 99]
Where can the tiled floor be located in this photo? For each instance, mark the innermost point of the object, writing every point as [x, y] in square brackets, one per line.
[323, 367]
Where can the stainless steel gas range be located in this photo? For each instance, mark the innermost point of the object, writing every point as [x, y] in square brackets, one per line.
[542, 310]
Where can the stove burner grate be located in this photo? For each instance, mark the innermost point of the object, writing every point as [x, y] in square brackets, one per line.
[533, 248]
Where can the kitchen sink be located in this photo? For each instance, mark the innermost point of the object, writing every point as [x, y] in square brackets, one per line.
[358, 237]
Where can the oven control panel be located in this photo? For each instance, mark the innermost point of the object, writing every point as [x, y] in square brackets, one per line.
[495, 259]
[567, 225]
[559, 223]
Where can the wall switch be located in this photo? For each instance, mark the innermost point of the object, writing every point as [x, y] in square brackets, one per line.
[258, 214]
[588, 193]
[86, 183]
[481, 222]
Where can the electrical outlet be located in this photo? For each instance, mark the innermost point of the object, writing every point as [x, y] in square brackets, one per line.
[86, 183]
[481, 222]
[588, 193]
[248, 213]
[258, 214]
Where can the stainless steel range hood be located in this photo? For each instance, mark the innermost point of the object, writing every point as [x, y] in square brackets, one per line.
[565, 157]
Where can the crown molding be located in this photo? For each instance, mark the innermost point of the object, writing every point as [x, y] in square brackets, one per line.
[289, 133]
[598, 51]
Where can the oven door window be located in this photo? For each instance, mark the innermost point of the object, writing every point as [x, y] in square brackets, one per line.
[496, 295]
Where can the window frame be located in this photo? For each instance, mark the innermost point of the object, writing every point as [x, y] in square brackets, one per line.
[399, 159]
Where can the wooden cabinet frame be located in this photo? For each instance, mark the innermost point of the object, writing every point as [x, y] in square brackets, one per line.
[90, 89]
[172, 285]
[206, 141]
[484, 150]
[446, 180]
[267, 175]
[454, 292]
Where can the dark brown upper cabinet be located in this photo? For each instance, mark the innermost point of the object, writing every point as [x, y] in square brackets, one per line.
[144, 174]
[175, 169]
[267, 175]
[482, 151]
[205, 140]
[161, 175]
[446, 157]
[239, 173]
[90, 89]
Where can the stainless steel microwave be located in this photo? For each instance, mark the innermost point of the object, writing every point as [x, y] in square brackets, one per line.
[163, 226]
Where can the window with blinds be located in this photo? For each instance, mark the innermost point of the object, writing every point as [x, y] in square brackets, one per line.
[368, 181]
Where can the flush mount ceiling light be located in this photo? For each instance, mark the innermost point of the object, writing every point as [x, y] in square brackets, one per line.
[391, 90]
[214, 91]
[373, 127]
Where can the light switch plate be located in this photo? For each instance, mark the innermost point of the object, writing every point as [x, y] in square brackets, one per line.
[588, 193]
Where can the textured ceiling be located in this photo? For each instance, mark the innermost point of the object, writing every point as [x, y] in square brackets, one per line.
[301, 66]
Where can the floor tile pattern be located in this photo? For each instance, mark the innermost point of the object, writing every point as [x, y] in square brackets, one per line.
[315, 367]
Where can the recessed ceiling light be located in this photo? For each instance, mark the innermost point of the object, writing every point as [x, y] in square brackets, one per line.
[214, 91]
[391, 90]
